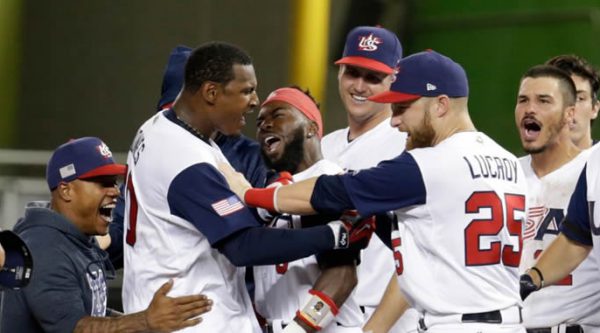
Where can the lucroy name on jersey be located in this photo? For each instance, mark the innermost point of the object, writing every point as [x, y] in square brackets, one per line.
[492, 167]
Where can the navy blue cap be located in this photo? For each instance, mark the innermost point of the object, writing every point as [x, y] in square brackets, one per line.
[81, 158]
[373, 48]
[426, 74]
[173, 77]
[18, 263]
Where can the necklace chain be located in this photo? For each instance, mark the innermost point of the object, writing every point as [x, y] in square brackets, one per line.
[191, 128]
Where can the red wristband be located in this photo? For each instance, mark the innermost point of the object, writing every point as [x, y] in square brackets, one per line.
[261, 197]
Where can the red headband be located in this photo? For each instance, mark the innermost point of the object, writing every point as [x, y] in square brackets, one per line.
[300, 101]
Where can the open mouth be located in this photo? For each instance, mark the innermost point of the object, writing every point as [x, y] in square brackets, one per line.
[270, 143]
[106, 211]
[531, 128]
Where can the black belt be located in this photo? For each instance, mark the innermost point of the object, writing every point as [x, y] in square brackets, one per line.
[268, 328]
[570, 329]
[491, 317]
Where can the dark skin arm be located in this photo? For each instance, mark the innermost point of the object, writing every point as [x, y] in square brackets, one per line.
[165, 314]
[336, 282]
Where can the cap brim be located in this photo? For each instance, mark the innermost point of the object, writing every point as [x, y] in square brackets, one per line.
[393, 97]
[366, 63]
[18, 262]
[105, 170]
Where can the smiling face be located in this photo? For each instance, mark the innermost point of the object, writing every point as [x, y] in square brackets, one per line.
[92, 202]
[356, 84]
[235, 98]
[414, 118]
[539, 113]
[281, 130]
[586, 109]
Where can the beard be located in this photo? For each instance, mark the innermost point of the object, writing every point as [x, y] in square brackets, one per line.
[423, 136]
[293, 154]
[553, 132]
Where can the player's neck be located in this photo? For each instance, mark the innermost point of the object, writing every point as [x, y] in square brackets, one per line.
[460, 123]
[360, 126]
[312, 155]
[554, 156]
[193, 119]
[585, 142]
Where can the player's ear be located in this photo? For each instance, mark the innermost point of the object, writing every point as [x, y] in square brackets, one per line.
[64, 191]
[312, 129]
[442, 105]
[569, 115]
[209, 91]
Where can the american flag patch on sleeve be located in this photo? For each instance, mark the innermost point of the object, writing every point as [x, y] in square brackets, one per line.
[227, 206]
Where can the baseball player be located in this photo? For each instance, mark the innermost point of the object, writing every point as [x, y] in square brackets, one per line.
[578, 236]
[587, 83]
[545, 106]
[289, 129]
[368, 67]
[456, 254]
[182, 221]
[242, 152]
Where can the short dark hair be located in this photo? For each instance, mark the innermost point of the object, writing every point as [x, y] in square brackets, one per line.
[214, 62]
[307, 93]
[575, 65]
[566, 83]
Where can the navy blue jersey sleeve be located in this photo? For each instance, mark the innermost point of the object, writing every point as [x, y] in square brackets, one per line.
[391, 185]
[576, 225]
[270, 246]
[200, 195]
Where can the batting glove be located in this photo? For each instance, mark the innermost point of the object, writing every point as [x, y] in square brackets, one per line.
[526, 286]
[352, 231]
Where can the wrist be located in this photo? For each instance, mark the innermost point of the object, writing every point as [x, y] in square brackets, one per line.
[537, 278]
[318, 311]
[261, 197]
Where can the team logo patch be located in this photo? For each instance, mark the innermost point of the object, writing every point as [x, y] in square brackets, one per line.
[369, 43]
[430, 87]
[227, 206]
[104, 151]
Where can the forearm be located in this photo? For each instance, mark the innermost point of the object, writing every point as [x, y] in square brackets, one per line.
[337, 282]
[295, 198]
[266, 246]
[390, 309]
[559, 259]
[132, 323]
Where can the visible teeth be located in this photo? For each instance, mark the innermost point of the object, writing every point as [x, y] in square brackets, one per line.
[110, 206]
[269, 138]
[359, 98]
[108, 219]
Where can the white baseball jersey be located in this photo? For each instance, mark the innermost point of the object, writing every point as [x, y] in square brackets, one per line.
[280, 290]
[177, 206]
[383, 142]
[458, 250]
[570, 301]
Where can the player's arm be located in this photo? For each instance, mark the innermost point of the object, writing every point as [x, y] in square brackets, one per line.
[391, 185]
[165, 314]
[558, 260]
[568, 250]
[231, 228]
[390, 309]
